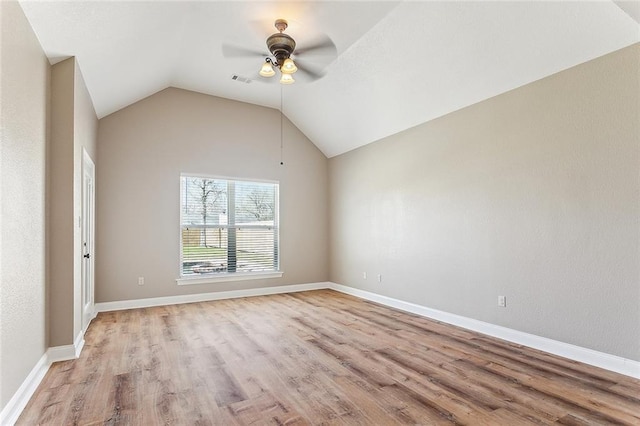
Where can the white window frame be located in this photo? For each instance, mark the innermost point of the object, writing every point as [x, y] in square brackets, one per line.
[219, 277]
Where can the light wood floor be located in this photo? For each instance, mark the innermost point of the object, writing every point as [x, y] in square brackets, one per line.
[317, 357]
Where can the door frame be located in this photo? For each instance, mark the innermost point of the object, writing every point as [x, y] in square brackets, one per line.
[88, 240]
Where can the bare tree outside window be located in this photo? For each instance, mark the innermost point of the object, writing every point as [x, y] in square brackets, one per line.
[208, 193]
[259, 204]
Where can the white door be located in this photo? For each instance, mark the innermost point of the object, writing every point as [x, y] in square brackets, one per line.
[88, 262]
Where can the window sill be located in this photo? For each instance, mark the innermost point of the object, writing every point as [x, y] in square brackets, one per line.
[220, 278]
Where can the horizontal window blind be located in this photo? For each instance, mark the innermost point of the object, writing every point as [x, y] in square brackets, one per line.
[228, 226]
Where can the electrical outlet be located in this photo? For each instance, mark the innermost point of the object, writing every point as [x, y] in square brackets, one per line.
[502, 301]
[379, 278]
[364, 275]
[140, 280]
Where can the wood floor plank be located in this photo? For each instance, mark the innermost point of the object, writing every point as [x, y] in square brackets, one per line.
[317, 357]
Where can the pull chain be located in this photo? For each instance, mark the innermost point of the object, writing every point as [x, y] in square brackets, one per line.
[281, 129]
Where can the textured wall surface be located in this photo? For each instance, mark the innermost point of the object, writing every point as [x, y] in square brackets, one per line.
[533, 194]
[142, 151]
[24, 76]
[62, 222]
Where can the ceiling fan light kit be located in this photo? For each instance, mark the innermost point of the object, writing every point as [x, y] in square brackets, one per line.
[281, 46]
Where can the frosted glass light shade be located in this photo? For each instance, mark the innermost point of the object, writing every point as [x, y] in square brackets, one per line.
[267, 70]
[287, 79]
[288, 66]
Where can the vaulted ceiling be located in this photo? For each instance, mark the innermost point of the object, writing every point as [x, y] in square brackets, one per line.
[398, 63]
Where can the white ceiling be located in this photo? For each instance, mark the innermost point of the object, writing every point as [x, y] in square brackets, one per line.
[399, 63]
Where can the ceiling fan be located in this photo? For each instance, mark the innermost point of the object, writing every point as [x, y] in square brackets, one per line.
[282, 50]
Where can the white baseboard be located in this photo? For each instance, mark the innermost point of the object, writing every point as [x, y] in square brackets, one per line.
[16, 404]
[66, 352]
[205, 297]
[588, 356]
[94, 313]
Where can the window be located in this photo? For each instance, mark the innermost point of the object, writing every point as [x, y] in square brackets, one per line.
[228, 227]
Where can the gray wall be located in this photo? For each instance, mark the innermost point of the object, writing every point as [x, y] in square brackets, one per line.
[533, 194]
[24, 77]
[142, 150]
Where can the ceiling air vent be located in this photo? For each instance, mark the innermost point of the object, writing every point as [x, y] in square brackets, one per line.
[241, 79]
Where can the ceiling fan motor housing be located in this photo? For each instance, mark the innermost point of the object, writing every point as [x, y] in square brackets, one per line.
[281, 46]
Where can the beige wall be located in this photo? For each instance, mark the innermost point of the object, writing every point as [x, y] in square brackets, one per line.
[73, 126]
[61, 212]
[533, 194]
[142, 150]
[24, 75]
[85, 137]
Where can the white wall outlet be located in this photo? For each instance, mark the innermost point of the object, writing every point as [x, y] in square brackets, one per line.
[364, 275]
[379, 278]
[502, 301]
[140, 280]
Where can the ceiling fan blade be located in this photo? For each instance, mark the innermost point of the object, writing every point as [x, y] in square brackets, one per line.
[313, 73]
[233, 51]
[322, 46]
